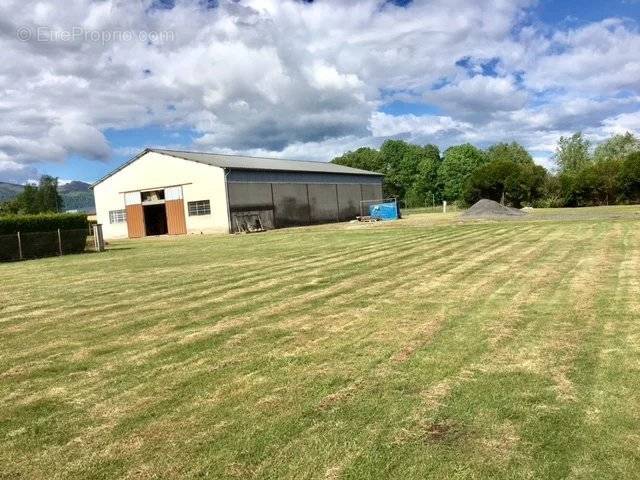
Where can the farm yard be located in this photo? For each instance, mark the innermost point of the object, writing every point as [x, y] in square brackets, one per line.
[429, 347]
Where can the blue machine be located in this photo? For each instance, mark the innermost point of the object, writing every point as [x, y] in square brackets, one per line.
[384, 211]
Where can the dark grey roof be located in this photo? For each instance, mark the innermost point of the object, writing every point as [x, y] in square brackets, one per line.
[240, 162]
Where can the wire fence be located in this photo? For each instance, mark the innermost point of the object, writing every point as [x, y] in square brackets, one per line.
[365, 205]
[450, 208]
[30, 245]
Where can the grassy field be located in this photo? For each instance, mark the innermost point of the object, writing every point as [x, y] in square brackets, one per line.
[429, 347]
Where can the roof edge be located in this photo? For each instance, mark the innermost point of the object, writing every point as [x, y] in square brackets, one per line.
[175, 154]
[120, 167]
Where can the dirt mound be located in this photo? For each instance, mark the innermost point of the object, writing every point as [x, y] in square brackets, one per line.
[489, 209]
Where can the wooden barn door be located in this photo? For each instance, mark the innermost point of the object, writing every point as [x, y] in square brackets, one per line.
[176, 224]
[135, 215]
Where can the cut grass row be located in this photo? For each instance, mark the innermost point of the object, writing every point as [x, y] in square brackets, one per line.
[457, 350]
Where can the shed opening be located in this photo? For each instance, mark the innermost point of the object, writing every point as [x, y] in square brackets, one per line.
[155, 219]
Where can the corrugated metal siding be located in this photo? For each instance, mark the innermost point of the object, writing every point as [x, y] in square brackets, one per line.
[257, 176]
[176, 224]
[371, 192]
[250, 194]
[349, 197]
[323, 203]
[291, 204]
[135, 221]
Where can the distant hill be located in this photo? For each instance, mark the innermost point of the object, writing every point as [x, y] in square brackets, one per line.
[9, 191]
[76, 195]
[74, 186]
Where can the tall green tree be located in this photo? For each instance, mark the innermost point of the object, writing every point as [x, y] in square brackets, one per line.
[617, 147]
[34, 199]
[364, 158]
[458, 164]
[425, 188]
[49, 200]
[27, 201]
[509, 182]
[629, 177]
[572, 153]
[400, 161]
[411, 171]
[512, 152]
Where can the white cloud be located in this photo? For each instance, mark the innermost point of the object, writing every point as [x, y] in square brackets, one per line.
[384, 125]
[479, 96]
[14, 172]
[289, 78]
[601, 56]
[620, 124]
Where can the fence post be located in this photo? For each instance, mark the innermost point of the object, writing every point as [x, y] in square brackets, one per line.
[19, 246]
[98, 238]
[59, 242]
[444, 206]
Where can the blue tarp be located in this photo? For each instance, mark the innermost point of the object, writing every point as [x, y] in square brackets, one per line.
[384, 211]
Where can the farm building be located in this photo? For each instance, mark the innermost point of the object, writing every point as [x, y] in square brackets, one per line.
[174, 192]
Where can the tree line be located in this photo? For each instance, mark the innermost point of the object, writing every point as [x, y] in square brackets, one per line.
[419, 175]
[41, 198]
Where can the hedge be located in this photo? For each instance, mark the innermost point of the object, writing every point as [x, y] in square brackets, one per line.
[45, 222]
[39, 235]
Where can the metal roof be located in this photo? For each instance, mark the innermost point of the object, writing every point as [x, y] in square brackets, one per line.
[240, 162]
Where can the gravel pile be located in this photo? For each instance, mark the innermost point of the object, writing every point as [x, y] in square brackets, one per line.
[489, 209]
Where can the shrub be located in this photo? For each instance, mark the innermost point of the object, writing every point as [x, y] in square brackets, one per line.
[46, 222]
[39, 235]
[506, 180]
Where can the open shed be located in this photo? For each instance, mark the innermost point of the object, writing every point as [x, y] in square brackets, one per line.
[175, 192]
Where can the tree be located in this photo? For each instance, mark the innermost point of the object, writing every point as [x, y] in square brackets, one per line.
[400, 160]
[411, 171]
[457, 166]
[596, 184]
[425, 187]
[36, 199]
[551, 196]
[608, 187]
[572, 153]
[506, 181]
[9, 207]
[513, 152]
[617, 148]
[27, 201]
[49, 200]
[364, 158]
[629, 177]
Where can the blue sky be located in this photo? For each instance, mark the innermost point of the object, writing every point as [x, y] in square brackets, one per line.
[561, 12]
[306, 80]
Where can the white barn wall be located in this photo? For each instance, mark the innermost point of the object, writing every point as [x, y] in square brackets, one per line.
[154, 170]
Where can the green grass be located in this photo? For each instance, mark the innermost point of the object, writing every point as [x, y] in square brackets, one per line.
[425, 348]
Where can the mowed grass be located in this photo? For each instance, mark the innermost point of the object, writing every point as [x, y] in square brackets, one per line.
[426, 348]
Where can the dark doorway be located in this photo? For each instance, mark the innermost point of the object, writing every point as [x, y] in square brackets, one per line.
[155, 219]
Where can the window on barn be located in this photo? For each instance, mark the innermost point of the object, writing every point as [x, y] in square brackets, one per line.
[117, 216]
[152, 196]
[199, 207]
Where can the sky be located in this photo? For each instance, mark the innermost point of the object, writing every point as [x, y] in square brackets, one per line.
[85, 85]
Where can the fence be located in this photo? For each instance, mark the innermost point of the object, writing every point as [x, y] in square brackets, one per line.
[29, 245]
[365, 205]
[451, 208]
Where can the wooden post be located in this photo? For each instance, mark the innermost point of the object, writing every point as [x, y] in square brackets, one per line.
[98, 238]
[59, 243]
[308, 202]
[444, 206]
[337, 203]
[19, 246]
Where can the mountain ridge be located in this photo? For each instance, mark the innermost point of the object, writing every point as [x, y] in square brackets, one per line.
[76, 195]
